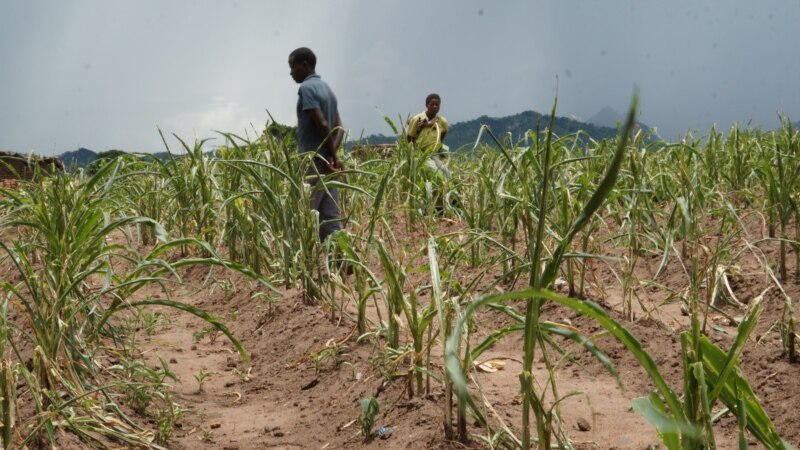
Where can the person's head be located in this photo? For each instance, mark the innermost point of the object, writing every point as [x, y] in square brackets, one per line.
[302, 63]
[432, 104]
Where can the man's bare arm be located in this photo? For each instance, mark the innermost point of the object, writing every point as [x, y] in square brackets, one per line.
[338, 135]
[324, 130]
[411, 127]
[332, 140]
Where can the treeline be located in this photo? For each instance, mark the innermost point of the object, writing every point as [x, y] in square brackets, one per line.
[89, 159]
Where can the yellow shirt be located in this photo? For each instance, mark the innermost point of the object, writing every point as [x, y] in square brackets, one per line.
[428, 132]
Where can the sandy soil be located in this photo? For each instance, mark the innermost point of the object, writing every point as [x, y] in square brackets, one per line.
[288, 400]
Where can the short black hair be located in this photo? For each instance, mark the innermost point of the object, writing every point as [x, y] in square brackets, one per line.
[304, 54]
[431, 97]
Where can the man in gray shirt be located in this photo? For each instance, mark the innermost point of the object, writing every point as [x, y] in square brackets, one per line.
[319, 130]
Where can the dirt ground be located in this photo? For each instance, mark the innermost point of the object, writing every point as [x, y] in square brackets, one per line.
[309, 370]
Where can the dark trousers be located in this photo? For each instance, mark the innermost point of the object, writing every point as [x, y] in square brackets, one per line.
[324, 199]
[326, 202]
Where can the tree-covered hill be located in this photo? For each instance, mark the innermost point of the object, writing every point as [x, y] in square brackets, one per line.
[83, 157]
[77, 158]
[462, 135]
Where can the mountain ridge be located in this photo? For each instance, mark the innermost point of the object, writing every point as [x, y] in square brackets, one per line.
[510, 129]
[461, 136]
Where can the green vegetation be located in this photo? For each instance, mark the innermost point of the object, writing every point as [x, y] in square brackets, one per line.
[79, 249]
[68, 284]
[368, 415]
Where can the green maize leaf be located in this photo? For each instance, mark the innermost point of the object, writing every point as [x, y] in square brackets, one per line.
[735, 391]
[326, 184]
[742, 424]
[549, 329]
[744, 330]
[391, 124]
[499, 145]
[436, 300]
[508, 310]
[376, 205]
[586, 308]
[597, 199]
[668, 428]
[699, 374]
[576, 159]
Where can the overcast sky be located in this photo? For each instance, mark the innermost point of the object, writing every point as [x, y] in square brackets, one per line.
[107, 74]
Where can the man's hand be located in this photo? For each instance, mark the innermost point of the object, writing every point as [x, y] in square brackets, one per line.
[335, 164]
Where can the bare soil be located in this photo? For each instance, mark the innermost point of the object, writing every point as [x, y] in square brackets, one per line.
[309, 370]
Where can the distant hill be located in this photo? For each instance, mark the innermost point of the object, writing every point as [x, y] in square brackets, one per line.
[83, 157]
[462, 135]
[77, 158]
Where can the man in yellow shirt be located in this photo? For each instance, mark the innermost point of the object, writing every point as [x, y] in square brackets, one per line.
[427, 131]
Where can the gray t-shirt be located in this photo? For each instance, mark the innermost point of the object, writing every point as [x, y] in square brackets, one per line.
[314, 93]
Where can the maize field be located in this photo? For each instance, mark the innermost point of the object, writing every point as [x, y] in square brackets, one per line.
[553, 292]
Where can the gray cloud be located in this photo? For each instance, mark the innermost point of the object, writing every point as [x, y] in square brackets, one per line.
[105, 74]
